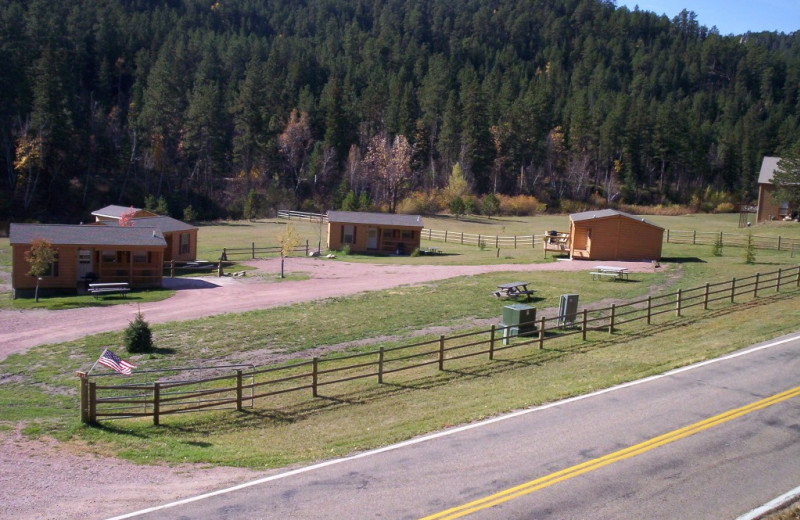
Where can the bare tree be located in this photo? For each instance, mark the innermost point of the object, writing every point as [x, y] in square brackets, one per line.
[295, 144]
[389, 166]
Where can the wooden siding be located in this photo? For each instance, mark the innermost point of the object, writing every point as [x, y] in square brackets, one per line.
[388, 240]
[615, 238]
[173, 250]
[122, 269]
[768, 209]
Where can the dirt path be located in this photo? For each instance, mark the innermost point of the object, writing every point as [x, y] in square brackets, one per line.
[41, 479]
[196, 298]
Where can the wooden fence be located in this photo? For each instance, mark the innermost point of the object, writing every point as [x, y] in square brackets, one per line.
[156, 399]
[674, 236]
[301, 215]
[254, 252]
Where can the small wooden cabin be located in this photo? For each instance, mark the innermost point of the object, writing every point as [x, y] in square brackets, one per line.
[768, 208]
[380, 233]
[87, 253]
[613, 235]
[181, 237]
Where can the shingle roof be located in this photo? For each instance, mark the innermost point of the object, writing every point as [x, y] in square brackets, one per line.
[114, 211]
[165, 224]
[62, 234]
[605, 213]
[378, 219]
[768, 167]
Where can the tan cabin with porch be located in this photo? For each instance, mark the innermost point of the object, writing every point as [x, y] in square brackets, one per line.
[613, 235]
[85, 254]
[378, 233]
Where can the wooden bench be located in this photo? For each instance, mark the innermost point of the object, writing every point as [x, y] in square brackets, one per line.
[104, 289]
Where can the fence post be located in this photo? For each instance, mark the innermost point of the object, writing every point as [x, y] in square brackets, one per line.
[156, 402]
[380, 366]
[733, 288]
[462, 238]
[497, 241]
[533, 241]
[755, 288]
[705, 298]
[172, 268]
[779, 242]
[84, 397]
[92, 402]
[314, 375]
[667, 235]
[694, 237]
[515, 241]
[541, 334]
[239, 390]
[479, 240]
[611, 322]
[797, 280]
[306, 247]
[441, 352]
[649, 308]
[778, 286]
[491, 342]
[583, 327]
[678, 304]
[253, 248]
[720, 238]
[429, 233]
[445, 236]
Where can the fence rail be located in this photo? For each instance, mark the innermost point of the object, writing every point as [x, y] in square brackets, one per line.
[231, 390]
[301, 215]
[674, 236]
[254, 252]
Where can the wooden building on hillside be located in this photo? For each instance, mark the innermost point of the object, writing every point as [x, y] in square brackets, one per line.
[379, 233]
[87, 253]
[768, 208]
[613, 235]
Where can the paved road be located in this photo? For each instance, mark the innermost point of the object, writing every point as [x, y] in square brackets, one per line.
[695, 443]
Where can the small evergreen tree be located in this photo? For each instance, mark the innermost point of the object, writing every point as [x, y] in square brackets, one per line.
[189, 214]
[138, 337]
[490, 205]
[161, 207]
[716, 248]
[457, 207]
[750, 250]
[251, 205]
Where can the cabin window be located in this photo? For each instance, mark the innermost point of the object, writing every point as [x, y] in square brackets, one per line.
[108, 256]
[184, 246]
[348, 234]
[141, 257]
[53, 267]
[784, 209]
[408, 234]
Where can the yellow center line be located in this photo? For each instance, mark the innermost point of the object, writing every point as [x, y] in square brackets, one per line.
[631, 451]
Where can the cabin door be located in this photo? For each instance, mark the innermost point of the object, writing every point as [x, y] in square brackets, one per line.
[372, 238]
[84, 263]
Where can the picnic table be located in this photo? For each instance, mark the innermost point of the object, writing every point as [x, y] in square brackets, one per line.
[101, 289]
[607, 271]
[513, 289]
[431, 251]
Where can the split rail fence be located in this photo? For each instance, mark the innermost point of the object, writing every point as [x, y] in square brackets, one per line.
[241, 386]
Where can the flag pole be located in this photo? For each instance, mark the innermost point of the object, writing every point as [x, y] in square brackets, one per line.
[95, 363]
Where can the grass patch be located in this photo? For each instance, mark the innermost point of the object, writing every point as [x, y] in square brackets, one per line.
[55, 303]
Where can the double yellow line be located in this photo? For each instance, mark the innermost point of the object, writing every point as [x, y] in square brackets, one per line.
[591, 465]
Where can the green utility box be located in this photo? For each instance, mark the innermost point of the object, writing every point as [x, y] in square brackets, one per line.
[518, 320]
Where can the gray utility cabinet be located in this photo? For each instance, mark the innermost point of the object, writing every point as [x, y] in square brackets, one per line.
[518, 319]
[568, 310]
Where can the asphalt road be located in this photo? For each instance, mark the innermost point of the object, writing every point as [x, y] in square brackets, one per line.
[712, 441]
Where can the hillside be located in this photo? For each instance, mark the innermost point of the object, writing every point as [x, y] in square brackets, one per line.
[111, 101]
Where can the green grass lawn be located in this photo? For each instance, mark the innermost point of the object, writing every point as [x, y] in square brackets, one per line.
[39, 388]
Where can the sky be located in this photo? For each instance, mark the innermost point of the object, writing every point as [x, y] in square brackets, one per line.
[729, 16]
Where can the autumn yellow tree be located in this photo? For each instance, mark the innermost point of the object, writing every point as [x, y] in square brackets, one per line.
[40, 258]
[288, 241]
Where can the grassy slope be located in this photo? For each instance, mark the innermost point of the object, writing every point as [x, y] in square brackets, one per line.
[39, 387]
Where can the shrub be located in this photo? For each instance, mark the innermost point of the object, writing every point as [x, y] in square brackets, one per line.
[724, 207]
[138, 337]
[415, 252]
[421, 203]
[520, 205]
[346, 249]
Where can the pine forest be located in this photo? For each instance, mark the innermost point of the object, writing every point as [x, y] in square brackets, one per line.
[238, 107]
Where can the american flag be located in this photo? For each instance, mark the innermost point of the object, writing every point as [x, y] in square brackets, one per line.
[115, 363]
